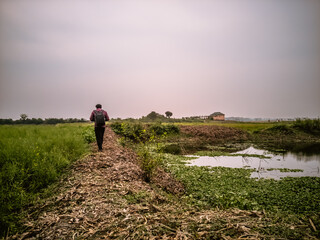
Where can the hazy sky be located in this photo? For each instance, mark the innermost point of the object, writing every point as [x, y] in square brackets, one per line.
[248, 58]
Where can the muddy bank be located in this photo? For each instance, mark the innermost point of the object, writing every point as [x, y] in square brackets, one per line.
[214, 134]
[204, 137]
[207, 137]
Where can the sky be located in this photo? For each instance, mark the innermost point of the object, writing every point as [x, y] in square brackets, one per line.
[244, 58]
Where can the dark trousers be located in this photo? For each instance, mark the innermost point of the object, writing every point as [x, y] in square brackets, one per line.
[99, 136]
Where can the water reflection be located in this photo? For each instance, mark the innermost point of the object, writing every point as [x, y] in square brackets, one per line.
[302, 149]
[275, 166]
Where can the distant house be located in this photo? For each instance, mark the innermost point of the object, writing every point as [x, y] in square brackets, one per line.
[217, 116]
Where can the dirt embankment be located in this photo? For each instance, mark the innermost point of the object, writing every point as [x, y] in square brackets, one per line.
[212, 133]
[106, 197]
[199, 137]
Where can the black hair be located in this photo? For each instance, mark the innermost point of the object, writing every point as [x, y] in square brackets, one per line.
[98, 106]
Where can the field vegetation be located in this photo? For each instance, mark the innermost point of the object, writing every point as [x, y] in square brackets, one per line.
[31, 159]
[288, 202]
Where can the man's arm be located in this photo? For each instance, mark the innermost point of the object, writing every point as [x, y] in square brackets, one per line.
[92, 117]
[106, 117]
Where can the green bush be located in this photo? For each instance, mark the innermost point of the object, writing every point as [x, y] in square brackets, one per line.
[308, 125]
[172, 149]
[160, 129]
[117, 127]
[133, 131]
[142, 133]
[148, 161]
[282, 128]
[172, 129]
[88, 134]
[31, 158]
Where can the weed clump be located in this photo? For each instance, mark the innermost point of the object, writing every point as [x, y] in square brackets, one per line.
[148, 163]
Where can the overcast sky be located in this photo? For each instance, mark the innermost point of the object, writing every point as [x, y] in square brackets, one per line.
[247, 58]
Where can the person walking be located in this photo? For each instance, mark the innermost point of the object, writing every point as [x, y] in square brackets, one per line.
[99, 117]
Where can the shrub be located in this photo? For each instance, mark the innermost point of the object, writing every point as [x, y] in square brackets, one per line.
[88, 134]
[308, 125]
[116, 127]
[148, 162]
[172, 129]
[160, 129]
[132, 131]
[139, 133]
[282, 128]
[172, 149]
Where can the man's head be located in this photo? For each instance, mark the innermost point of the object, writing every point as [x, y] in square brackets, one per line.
[98, 106]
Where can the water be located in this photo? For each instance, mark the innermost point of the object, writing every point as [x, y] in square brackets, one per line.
[308, 162]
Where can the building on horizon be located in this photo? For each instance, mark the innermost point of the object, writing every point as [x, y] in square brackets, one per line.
[217, 116]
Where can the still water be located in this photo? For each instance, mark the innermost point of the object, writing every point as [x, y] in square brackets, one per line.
[308, 162]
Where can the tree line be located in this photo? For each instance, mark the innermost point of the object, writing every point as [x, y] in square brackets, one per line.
[25, 120]
[153, 116]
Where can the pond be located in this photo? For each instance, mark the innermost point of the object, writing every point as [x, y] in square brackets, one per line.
[273, 165]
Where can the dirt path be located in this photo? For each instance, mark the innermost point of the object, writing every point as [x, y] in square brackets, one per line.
[105, 197]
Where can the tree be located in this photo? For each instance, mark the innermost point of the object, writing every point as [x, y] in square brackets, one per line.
[153, 115]
[23, 116]
[168, 114]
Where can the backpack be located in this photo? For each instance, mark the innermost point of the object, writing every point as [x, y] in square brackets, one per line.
[99, 118]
